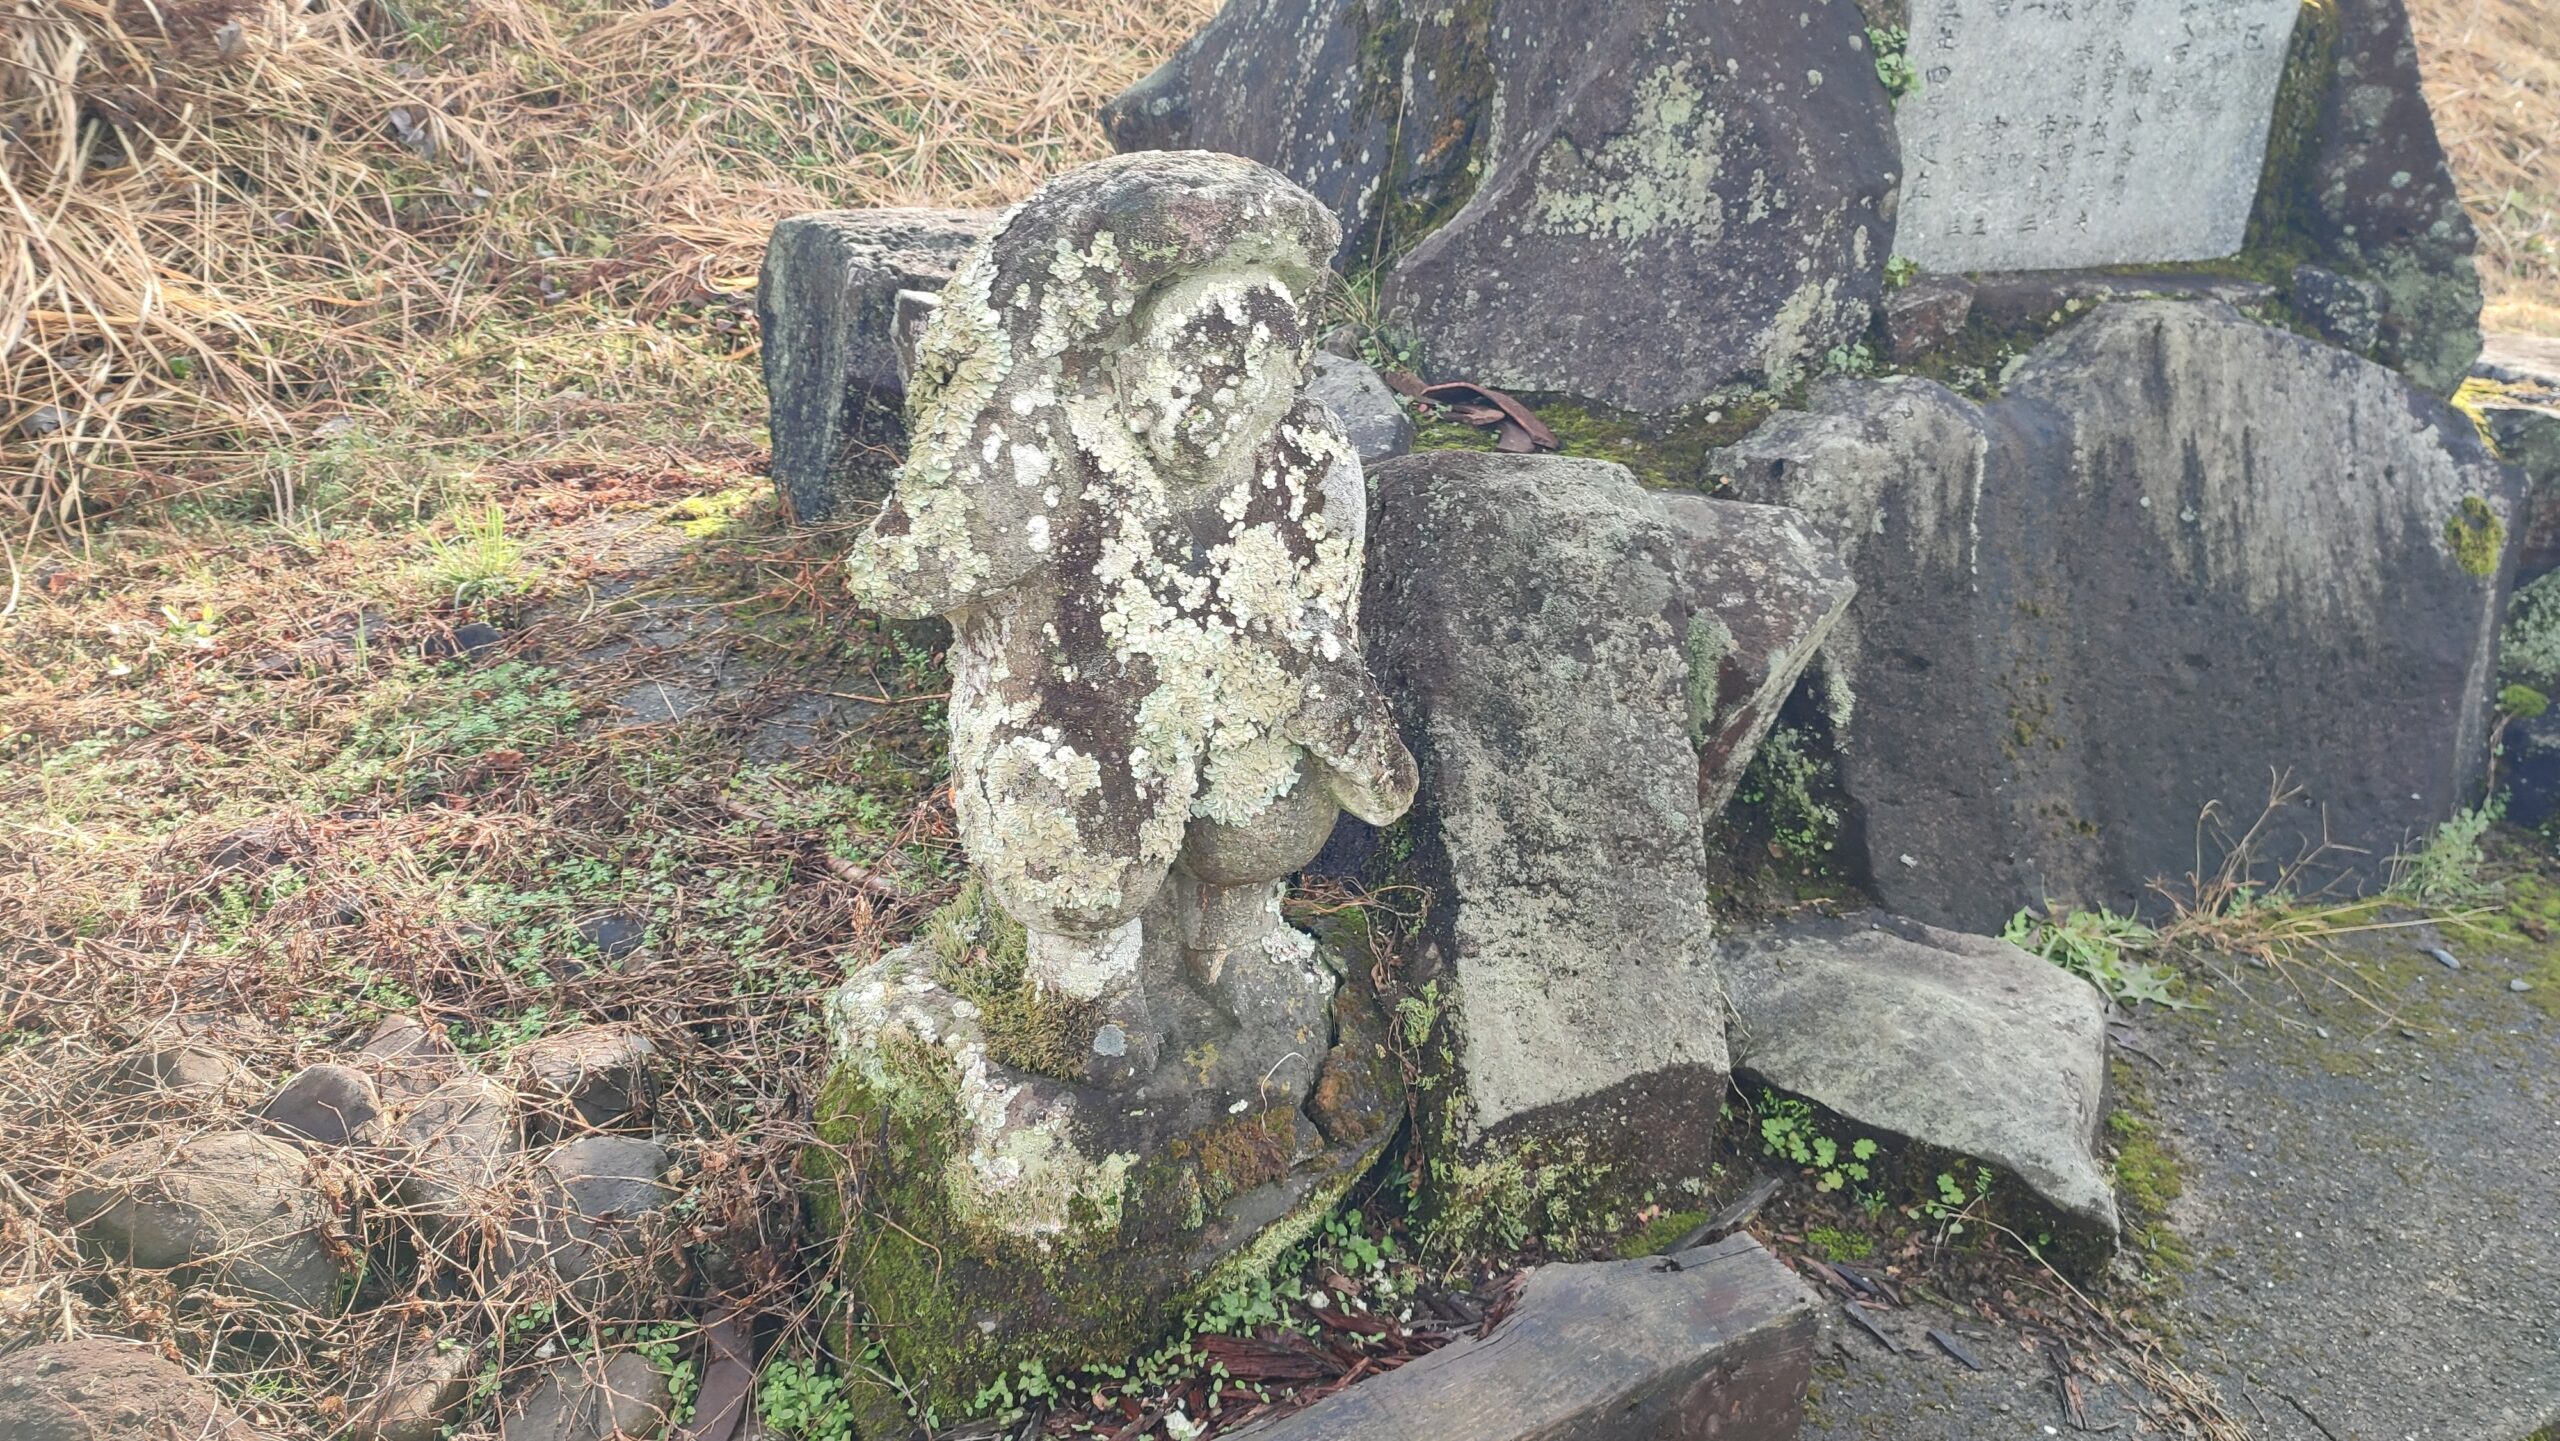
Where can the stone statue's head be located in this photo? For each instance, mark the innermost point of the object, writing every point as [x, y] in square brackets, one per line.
[1177, 288]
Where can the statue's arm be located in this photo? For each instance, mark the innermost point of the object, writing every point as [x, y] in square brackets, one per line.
[934, 549]
[1344, 723]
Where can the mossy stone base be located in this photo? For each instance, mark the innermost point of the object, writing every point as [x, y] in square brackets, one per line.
[988, 1216]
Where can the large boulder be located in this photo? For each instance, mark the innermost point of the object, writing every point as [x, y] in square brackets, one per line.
[827, 301]
[1960, 1042]
[1563, 646]
[1540, 181]
[232, 1209]
[102, 1390]
[2182, 554]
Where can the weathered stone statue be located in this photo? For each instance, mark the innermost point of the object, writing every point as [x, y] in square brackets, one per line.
[1148, 542]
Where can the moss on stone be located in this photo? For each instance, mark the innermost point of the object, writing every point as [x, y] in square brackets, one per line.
[982, 956]
[1677, 452]
[2529, 646]
[2478, 537]
[2148, 1182]
[1662, 1232]
[957, 1305]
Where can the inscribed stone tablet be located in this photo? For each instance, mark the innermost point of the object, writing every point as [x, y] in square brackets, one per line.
[2055, 133]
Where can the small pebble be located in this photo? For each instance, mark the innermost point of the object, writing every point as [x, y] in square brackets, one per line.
[2445, 958]
[2519, 985]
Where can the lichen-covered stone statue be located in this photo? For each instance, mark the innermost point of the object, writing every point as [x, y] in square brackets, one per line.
[1111, 1065]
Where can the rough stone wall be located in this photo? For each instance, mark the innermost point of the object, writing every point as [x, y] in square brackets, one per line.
[2182, 554]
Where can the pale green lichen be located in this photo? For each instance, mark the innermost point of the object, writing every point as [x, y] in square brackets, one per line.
[925, 1054]
[1657, 175]
[1710, 641]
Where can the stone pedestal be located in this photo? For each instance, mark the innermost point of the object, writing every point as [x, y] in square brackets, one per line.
[1027, 1174]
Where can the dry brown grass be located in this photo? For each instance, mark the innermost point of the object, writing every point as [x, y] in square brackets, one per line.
[227, 219]
[2493, 74]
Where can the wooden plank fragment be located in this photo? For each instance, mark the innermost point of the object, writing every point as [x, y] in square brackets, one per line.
[1713, 1342]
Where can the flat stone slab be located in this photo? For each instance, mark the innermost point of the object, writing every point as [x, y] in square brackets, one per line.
[2045, 135]
[1716, 1341]
[1962, 1042]
[2375, 1218]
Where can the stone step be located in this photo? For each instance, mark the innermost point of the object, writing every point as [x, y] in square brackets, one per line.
[1716, 1341]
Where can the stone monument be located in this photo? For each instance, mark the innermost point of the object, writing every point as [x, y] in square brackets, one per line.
[2046, 134]
[1111, 1066]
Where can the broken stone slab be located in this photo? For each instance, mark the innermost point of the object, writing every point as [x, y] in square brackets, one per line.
[2377, 200]
[1765, 589]
[1375, 424]
[2049, 137]
[827, 301]
[593, 1077]
[1577, 662]
[107, 1390]
[621, 1397]
[1713, 1342]
[1960, 1042]
[1924, 315]
[2076, 602]
[232, 1210]
[329, 1104]
[1529, 183]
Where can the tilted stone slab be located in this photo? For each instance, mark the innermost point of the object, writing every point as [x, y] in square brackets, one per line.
[1960, 1042]
[1766, 589]
[1716, 1341]
[2181, 554]
[827, 302]
[1526, 617]
[1640, 205]
[1581, 665]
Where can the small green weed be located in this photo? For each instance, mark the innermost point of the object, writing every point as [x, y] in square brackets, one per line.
[480, 564]
[2100, 947]
[1892, 47]
[1789, 1130]
[2447, 868]
[1784, 784]
[800, 1401]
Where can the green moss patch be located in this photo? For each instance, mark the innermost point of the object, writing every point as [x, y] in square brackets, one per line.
[2478, 537]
